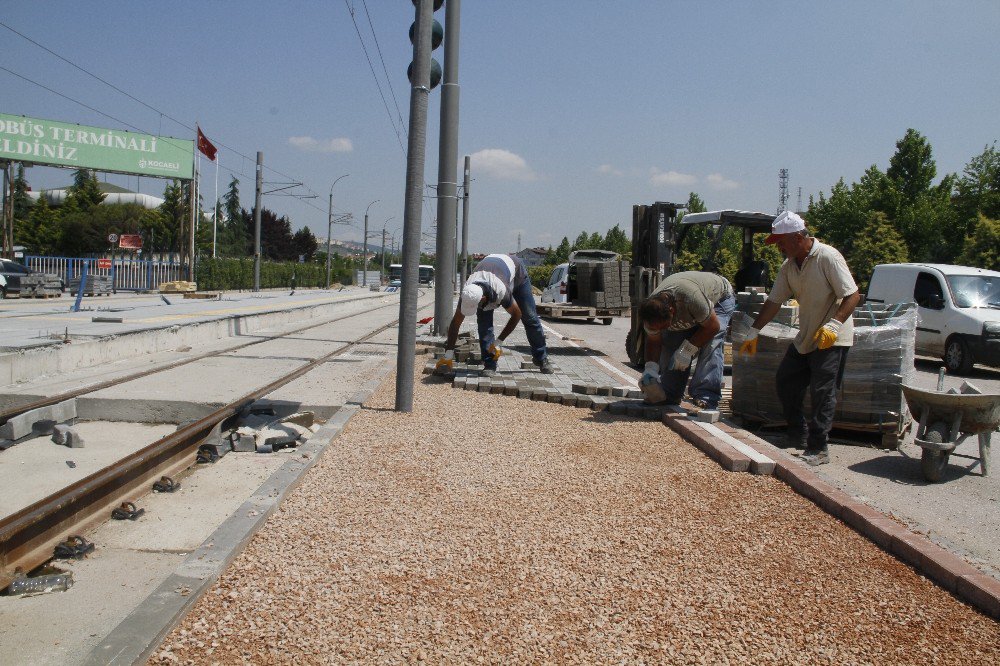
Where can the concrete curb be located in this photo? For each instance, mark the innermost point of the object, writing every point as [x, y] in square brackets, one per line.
[139, 634]
[947, 570]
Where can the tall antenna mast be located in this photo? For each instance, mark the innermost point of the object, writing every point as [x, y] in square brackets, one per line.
[782, 191]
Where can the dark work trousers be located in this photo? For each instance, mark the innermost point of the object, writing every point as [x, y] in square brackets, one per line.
[822, 372]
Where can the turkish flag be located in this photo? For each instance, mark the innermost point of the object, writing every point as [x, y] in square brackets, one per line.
[205, 146]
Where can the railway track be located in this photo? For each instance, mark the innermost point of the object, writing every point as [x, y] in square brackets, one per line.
[29, 536]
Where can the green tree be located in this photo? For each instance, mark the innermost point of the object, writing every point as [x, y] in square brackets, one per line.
[982, 248]
[617, 241]
[912, 168]
[44, 223]
[175, 213]
[22, 204]
[561, 254]
[978, 190]
[695, 204]
[233, 239]
[881, 244]
[85, 192]
[304, 244]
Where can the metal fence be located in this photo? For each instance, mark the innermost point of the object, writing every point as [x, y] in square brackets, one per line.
[126, 274]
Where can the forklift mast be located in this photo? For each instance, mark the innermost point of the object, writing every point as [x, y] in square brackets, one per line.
[654, 235]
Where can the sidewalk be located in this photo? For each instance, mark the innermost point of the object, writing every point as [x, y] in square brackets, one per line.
[484, 527]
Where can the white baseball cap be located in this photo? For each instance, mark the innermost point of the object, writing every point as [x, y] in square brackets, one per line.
[471, 295]
[786, 223]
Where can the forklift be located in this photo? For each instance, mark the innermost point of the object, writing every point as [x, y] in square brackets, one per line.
[657, 239]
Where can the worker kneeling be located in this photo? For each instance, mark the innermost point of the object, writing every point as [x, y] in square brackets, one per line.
[497, 280]
[685, 319]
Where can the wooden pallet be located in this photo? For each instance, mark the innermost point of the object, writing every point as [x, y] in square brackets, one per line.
[570, 310]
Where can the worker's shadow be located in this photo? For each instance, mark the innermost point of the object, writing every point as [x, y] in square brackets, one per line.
[905, 470]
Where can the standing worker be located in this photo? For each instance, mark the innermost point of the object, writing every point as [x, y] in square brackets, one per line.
[498, 279]
[817, 276]
[686, 317]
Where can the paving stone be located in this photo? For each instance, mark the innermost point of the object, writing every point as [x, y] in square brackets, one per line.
[584, 401]
[524, 392]
[540, 395]
[620, 391]
[707, 416]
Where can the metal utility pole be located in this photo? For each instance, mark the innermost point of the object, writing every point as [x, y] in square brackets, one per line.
[364, 275]
[384, 224]
[465, 221]
[192, 185]
[329, 230]
[444, 285]
[256, 221]
[420, 90]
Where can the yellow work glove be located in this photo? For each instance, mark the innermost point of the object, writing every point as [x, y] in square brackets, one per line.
[827, 334]
[495, 350]
[447, 362]
[749, 345]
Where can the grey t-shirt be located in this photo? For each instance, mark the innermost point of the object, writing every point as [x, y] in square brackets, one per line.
[696, 294]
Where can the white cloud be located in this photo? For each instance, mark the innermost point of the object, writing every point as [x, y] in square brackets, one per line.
[311, 145]
[719, 182]
[501, 164]
[671, 178]
[609, 170]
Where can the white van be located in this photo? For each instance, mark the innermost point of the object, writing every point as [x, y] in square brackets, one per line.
[555, 292]
[958, 309]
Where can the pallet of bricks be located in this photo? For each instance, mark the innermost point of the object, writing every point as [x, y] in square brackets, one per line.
[601, 284]
[40, 285]
[96, 285]
[878, 364]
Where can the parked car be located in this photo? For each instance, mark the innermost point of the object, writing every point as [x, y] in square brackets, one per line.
[958, 310]
[12, 273]
[555, 291]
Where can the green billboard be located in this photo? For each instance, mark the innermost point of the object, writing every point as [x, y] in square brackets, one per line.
[24, 139]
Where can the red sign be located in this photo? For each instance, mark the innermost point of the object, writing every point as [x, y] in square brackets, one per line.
[130, 242]
[104, 264]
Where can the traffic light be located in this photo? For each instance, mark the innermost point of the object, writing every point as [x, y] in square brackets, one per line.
[437, 36]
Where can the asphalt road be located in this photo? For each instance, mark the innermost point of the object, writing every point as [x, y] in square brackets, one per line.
[961, 513]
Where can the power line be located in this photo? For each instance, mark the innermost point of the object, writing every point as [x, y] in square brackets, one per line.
[132, 97]
[378, 85]
[385, 69]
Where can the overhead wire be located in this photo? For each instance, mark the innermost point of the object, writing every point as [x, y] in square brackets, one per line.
[135, 99]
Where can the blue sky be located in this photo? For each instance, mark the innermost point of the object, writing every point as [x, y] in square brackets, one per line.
[572, 110]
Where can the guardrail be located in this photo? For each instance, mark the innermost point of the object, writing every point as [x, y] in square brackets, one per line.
[126, 274]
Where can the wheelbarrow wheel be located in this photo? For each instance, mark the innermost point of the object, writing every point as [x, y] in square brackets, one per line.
[933, 463]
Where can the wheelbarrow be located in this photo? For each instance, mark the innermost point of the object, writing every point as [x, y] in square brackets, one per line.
[945, 420]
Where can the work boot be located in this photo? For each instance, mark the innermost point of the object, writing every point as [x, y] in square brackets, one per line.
[488, 372]
[545, 367]
[814, 457]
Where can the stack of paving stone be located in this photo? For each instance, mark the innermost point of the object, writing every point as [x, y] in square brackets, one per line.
[752, 300]
[96, 285]
[879, 362]
[601, 284]
[40, 285]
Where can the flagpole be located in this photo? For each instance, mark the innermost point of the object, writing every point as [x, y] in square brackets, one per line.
[215, 209]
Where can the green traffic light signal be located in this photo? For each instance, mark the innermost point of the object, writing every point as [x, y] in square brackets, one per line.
[435, 73]
[437, 34]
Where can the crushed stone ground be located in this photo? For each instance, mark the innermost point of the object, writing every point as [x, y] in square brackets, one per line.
[486, 529]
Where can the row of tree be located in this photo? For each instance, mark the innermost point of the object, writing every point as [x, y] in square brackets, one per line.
[899, 215]
[80, 225]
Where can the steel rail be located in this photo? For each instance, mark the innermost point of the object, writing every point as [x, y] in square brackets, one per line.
[11, 412]
[28, 537]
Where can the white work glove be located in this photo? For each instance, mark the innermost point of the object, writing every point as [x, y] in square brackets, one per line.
[650, 375]
[827, 334]
[447, 362]
[496, 350]
[650, 384]
[681, 360]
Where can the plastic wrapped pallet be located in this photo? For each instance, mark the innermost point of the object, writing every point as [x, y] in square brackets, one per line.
[871, 397]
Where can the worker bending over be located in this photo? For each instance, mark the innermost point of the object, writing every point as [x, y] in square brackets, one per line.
[817, 276]
[498, 279]
[686, 318]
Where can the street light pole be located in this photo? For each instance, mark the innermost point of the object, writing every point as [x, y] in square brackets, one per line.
[329, 230]
[384, 224]
[364, 275]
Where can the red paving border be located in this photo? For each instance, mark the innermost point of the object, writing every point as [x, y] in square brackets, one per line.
[946, 569]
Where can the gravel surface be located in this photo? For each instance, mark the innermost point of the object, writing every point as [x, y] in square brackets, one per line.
[483, 528]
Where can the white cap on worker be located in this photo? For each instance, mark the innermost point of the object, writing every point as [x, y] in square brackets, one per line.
[471, 295]
[786, 223]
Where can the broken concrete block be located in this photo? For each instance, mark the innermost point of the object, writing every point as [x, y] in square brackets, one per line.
[24, 424]
[243, 440]
[67, 436]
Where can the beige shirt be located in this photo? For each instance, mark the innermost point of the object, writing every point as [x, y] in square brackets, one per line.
[819, 285]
